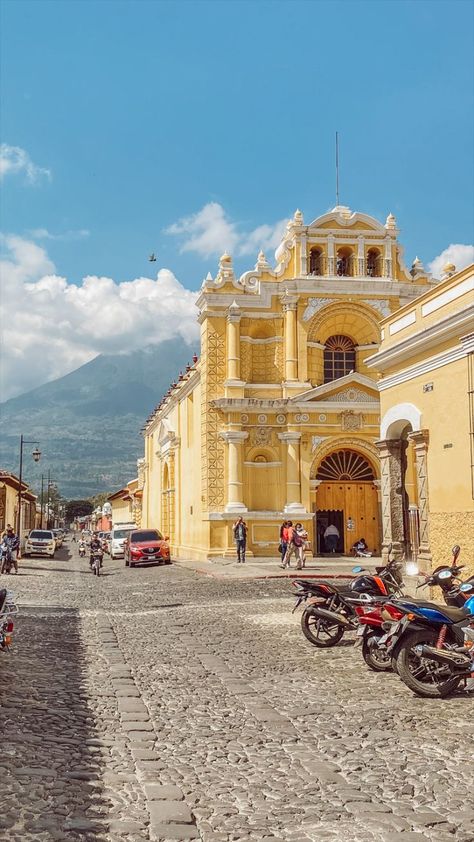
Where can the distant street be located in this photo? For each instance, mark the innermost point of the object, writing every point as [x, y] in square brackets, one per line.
[157, 704]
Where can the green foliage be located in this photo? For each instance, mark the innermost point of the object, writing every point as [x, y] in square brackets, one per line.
[78, 508]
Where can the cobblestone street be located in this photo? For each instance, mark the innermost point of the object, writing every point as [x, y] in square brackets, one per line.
[159, 704]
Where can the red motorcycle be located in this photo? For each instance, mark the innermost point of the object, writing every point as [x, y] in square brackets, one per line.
[371, 616]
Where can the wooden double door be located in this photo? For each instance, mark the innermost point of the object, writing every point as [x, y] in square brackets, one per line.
[353, 507]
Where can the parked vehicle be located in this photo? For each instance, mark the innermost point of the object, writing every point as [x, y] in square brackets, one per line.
[372, 614]
[146, 546]
[429, 645]
[329, 611]
[8, 610]
[40, 542]
[118, 535]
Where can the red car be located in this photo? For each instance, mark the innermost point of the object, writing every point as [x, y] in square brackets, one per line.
[146, 546]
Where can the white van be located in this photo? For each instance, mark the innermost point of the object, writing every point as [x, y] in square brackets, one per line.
[120, 531]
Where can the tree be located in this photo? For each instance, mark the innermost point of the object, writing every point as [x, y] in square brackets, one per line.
[99, 499]
[78, 508]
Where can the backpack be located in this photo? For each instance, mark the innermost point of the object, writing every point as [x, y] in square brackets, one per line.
[297, 540]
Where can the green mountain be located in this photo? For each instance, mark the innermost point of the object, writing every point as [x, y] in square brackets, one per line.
[88, 422]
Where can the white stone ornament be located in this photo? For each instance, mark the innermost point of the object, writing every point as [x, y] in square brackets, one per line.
[280, 419]
[262, 419]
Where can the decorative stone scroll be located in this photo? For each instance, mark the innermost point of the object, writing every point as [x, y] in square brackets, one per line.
[353, 395]
[314, 304]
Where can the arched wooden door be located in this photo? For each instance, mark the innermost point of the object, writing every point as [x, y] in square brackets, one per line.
[346, 485]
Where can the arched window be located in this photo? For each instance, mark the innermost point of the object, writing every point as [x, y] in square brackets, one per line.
[339, 357]
[316, 262]
[344, 262]
[374, 264]
[345, 466]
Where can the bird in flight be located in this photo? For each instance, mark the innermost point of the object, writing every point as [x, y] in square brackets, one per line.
[152, 257]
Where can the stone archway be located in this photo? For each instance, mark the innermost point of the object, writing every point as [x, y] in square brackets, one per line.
[404, 446]
[345, 487]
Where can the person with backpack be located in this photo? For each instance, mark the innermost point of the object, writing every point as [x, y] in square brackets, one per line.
[300, 539]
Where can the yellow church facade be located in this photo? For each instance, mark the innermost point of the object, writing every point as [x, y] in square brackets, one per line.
[279, 417]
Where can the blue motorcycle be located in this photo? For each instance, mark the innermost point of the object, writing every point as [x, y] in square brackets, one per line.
[430, 644]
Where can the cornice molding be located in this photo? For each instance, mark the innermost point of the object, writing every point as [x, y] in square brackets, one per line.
[423, 339]
[431, 364]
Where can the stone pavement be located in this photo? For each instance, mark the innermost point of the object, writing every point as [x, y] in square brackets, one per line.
[157, 704]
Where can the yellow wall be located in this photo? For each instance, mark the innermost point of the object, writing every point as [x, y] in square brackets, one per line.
[440, 394]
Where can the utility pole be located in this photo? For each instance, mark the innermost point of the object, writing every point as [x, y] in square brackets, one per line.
[36, 454]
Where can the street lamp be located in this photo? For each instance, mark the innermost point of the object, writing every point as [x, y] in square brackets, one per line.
[36, 454]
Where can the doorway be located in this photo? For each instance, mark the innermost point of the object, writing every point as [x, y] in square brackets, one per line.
[325, 518]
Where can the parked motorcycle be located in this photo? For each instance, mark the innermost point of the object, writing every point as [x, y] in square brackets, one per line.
[375, 616]
[429, 644]
[8, 610]
[329, 610]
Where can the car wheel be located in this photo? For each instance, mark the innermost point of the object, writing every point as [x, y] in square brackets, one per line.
[132, 564]
[51, 556]
[168, 562]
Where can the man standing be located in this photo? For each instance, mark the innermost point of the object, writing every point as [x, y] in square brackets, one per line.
[240, 537]
[331, 537]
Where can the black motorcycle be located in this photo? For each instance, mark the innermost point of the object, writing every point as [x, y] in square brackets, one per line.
[330, 611]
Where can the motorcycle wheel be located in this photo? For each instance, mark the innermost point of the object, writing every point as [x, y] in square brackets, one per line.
[321, 633]
[426, 678]
[375, 658]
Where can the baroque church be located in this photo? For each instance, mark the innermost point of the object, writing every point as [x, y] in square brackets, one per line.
[279, 417]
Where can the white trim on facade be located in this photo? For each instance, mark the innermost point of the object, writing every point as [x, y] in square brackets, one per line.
[405, 321]
[402, 412]
[432, 363]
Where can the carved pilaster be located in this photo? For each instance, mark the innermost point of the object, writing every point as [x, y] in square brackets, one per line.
[391, 453]
[420, 440]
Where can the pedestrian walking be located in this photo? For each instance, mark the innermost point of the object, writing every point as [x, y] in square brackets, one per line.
[11, 542]
[283, 545]
[300, 540]
[331, 537]
[290, 545]
[240, 537]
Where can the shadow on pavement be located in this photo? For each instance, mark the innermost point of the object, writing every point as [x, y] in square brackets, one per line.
[52, 788]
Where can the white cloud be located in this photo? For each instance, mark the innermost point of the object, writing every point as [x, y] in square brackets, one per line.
[210, 232]
[14, 160]
[460, 255]
[51, 326]
[65, 236]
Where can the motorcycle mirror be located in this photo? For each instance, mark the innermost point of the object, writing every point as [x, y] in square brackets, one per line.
[455, 551]
[466, 587]
[357, 569]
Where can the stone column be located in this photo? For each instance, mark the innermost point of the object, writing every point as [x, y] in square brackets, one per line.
[391, 477]
[233, 341]
[420, 440]
[290, 303]
[293, 503]
[234, 439]
[361, 256]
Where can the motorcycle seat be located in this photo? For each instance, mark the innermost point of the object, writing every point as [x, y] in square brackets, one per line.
[450, 611]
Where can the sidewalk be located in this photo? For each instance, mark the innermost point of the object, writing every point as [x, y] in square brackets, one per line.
[337, 567]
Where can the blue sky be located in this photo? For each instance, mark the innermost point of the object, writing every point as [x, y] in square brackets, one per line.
[145, 112]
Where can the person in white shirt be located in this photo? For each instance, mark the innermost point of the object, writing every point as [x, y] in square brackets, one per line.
[331, 537]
